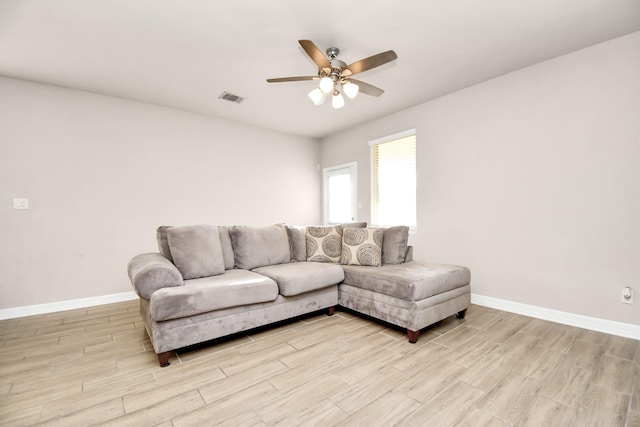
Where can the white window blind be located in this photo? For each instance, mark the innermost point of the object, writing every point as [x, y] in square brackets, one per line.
[393, 186]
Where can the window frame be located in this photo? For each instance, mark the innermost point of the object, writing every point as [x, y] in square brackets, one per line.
[413, 229]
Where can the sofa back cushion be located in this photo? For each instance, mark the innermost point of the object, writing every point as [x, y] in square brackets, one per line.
[259, 246]
[227, 246]
[362, 246]
[297, 243]
[225, 240]
[163, 244]
[196, 250]
[394, 244]
[340, 228]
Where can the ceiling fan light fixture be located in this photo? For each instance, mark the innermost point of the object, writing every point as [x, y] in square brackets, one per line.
[337, 101]
[317, 96]
[334, 75]
[326, 84]
[350, 89]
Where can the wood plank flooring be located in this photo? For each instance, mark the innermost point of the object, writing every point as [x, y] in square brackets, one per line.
[96, 366]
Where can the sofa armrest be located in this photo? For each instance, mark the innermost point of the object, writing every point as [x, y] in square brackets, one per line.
[150, 272]
[409, 255]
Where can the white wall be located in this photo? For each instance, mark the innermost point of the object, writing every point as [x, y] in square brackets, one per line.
[531, 179]
[102, 173]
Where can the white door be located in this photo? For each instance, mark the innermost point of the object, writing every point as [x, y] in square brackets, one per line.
[340, 194]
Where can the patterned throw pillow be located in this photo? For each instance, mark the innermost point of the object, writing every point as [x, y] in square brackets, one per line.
[362, 246]
[324, 244]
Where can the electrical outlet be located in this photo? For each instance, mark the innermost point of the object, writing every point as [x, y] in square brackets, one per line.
[20, 203]
[627, 295]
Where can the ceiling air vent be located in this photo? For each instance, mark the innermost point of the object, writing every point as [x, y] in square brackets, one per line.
[231, 97]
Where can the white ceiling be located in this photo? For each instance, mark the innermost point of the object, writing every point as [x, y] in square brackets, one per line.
[184, 53]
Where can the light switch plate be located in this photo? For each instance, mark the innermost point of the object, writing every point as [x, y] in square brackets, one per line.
[20, 203]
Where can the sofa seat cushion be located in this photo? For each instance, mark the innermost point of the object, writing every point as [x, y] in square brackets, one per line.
[300, 277]
[410, 281]
[231, 289]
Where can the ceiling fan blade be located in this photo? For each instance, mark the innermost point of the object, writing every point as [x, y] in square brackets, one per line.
[366, 88]
[315, 53]
[370, 62]
[292, 79]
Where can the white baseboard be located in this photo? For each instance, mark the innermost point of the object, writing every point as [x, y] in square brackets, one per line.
[601, 325]
[31, 310]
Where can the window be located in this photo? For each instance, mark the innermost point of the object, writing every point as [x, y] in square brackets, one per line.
[340, 194]
[393, 180]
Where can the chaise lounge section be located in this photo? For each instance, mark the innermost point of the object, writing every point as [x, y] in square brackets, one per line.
[410, 295]
[208, 282]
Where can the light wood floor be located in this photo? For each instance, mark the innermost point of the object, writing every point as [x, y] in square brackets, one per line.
[96, 366]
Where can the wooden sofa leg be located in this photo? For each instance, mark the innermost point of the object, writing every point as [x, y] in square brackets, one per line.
[413, 336]
[163, 358]
[461, 314]
[331, 310]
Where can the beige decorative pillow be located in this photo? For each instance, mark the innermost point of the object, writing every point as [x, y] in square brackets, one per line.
[324, 244]
[362, 246]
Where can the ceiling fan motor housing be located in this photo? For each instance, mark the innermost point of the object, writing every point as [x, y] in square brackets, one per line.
[333, 52]
[336, 65]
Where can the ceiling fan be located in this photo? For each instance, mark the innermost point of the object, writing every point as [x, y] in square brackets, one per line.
[335, 75]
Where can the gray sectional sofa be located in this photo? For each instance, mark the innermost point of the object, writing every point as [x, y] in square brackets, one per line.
[211, 281]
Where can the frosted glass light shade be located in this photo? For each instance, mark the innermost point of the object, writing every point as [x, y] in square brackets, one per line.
[326, 84]
[350, 89]
[337, 101]
[317, 97]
